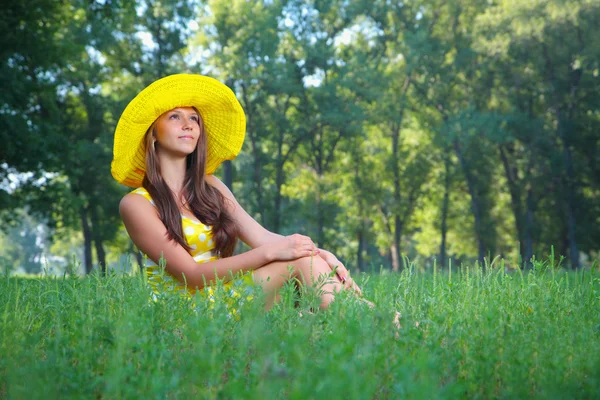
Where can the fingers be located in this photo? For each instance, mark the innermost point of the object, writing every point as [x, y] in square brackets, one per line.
[341, 270]
[307, 253]
[342, 273]
[301, 240]
[305, 250]
[304, 244]
[349, 284]
[293, 247]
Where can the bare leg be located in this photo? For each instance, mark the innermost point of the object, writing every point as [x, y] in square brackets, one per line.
[273, 276]
[308, 270]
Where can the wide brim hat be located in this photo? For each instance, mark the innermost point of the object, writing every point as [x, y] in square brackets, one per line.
[222, 115]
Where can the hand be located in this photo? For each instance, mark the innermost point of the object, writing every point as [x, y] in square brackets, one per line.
[292, 247]
[340, 270]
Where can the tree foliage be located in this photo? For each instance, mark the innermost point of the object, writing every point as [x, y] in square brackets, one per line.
[439, 129]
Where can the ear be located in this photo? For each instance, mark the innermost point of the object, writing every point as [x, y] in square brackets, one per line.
[153, 131]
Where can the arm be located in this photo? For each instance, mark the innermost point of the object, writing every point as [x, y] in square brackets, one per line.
[255, 235]
[251, 232]
[150, 236]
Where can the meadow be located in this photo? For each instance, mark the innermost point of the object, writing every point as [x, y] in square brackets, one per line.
[464, 333]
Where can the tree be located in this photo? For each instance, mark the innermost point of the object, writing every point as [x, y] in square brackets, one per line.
[558, 51]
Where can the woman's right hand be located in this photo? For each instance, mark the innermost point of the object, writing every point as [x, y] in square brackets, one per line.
[291, 248]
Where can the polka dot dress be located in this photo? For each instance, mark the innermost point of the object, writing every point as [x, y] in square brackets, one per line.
[199, 238]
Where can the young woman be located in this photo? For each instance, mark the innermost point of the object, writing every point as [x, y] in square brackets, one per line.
[168, 142]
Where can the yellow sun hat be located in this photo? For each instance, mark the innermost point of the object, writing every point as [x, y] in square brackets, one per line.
[223, 117]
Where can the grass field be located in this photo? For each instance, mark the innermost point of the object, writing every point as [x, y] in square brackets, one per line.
[464, 334]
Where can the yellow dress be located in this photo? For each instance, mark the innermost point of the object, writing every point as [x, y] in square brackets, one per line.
[199, 238]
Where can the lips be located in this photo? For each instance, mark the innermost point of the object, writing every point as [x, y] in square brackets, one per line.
[186, 137]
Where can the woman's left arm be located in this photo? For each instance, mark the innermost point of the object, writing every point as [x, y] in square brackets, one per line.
[255, 235]
[251, 232]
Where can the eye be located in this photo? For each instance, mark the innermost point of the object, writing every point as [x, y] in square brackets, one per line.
[174, 116]
[195, 118]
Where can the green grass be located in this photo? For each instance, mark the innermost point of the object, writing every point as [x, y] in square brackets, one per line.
[466, 334]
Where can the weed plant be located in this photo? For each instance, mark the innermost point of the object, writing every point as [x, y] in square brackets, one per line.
[467, 333]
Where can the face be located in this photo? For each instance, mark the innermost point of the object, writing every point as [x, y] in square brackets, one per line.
[177, 131]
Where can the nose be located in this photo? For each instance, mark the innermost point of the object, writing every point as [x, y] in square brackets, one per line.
[187, 125]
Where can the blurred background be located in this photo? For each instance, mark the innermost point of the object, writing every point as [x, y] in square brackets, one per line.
[431, 131]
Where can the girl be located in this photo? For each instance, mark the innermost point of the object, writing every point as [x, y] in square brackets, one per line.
[168, 142]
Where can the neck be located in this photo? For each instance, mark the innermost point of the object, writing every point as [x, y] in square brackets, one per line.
[173, 172]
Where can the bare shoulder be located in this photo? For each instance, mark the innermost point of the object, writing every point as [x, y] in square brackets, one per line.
[133, 204]
[150, 236]
[217, 183]
[214, 181]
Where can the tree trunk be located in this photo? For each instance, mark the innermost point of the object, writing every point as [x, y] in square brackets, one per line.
[255, 150]
[138, 256]
[445, 206]
[515, 197]
[398, 228]
[228, 174]
[395, 255]
[258, 189]
[564, 118]
[319, 213]
[359, 252]
[159, 61]
[97, 237]
[361, 218]
[227, 165]
[528, 230]
[570, 198]
[562, 246]
[140, 260]
[397, 198]
[278, 183]
[100, 254]
[87, 240]
[475, 202]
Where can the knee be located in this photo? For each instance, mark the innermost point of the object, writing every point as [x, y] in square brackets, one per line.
[315, 263]
[274, 273]
[310, 269]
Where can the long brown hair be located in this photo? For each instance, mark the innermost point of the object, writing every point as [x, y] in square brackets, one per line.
[205, 201]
